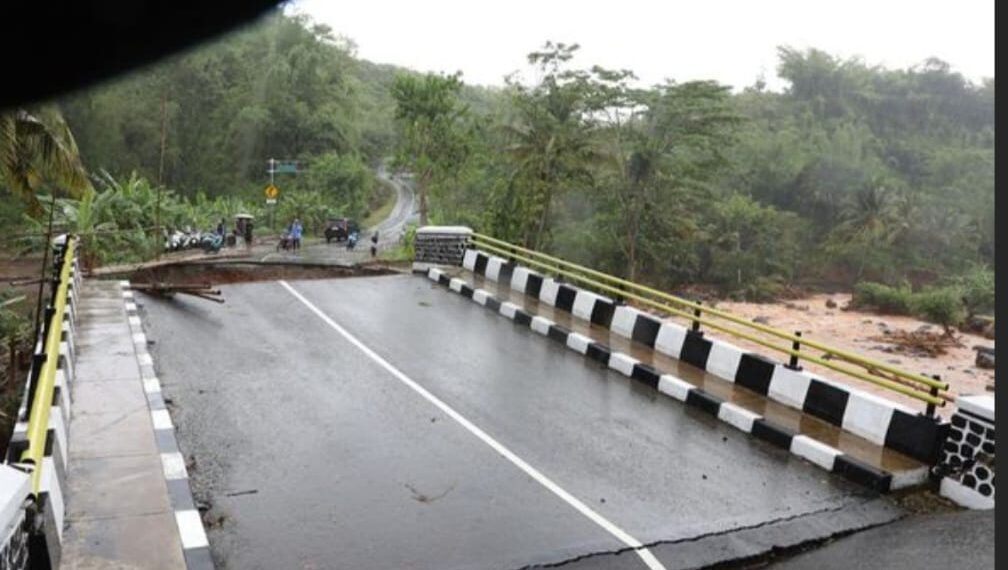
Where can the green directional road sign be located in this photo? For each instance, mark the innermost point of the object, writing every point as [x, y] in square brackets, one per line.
[285, 167]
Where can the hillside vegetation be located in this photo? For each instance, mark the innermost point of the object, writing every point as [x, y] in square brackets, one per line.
[853, 173]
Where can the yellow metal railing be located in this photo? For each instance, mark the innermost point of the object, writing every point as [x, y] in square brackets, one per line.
[917, 386]
[41, 404]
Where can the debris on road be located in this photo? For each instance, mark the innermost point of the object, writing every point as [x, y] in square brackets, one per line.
[423, 498]
[984, 356]
[240, 493]
[920, 342]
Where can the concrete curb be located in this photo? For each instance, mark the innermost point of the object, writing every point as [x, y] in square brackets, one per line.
[195, 545]
[818, 453]
[876, 419]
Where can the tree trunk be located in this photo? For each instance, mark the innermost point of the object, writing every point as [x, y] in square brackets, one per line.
[164, 137]
[13, 368]
[423, 182]
[631, 252]
[542, 221]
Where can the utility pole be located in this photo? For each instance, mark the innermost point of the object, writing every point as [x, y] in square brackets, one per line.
[272, 170]
[164, 136]
[157, 207]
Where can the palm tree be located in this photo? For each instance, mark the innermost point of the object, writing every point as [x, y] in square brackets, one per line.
[552, 150]
[36, 146]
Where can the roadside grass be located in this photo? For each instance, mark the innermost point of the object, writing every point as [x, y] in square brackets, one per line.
[398, 253]
[377, 215]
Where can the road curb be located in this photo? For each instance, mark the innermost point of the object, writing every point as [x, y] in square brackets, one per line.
[818, 453]
[188, 521]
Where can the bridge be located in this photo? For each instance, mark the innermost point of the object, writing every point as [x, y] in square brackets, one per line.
[493, 407]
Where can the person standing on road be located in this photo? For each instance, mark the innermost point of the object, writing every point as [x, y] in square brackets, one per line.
[374, 244]
[296, 230]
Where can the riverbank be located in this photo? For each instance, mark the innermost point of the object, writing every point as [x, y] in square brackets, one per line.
[865, 333]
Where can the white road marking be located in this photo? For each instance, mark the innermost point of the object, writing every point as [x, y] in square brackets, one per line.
[649, 559]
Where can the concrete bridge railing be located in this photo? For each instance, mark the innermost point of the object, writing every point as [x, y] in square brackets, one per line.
[960, 451]
[33, 475]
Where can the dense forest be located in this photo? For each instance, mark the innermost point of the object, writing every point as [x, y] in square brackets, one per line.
[853, 173]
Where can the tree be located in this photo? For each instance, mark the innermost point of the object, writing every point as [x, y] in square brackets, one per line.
[550, 142]
[671, 144]
[36, 147]
[429, 115]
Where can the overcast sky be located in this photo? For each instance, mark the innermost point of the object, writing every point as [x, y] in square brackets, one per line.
[731, 41]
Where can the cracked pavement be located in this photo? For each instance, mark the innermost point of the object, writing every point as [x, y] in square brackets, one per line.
[267, 396]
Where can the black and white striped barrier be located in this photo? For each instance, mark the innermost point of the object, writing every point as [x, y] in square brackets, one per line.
[968, 455]
[45, 528]
[825, 456]
[195, 545]
[876, 419]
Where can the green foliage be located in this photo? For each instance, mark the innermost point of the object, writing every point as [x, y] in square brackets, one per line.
[15, 326]
[404, 251]
[976, 287]
[284, 88]
[853, 173]
[549, 141]
[941, 305]
[883, 298]
[750, 241]
[340, 184]
[759, 290]
[432, 142]
[36, 148]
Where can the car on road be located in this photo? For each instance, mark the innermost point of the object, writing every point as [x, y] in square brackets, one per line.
[339, 229]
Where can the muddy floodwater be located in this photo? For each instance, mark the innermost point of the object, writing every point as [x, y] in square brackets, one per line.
[863, 333]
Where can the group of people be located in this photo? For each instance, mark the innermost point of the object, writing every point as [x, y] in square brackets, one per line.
[295, 231]
[242, 228]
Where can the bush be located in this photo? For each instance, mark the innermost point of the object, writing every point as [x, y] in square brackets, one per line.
[760, 290]
[943, 306]
[977, 289]
[883, 298]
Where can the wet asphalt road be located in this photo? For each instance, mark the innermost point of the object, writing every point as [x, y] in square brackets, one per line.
[316, 456]
[402, 213]
[961, 540]
[390, 231]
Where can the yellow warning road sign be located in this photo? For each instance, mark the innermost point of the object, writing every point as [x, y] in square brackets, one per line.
[272, 191]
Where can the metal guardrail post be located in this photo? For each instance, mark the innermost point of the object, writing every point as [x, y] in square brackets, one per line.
[39, 359]
[696, 313]
[796, 346]
[930, 410]
[33, 377]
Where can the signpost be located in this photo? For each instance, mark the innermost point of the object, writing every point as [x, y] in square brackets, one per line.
[281, 167]
[271, 198]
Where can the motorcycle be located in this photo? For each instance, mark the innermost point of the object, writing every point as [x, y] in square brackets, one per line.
[286, 242]
[211, 242]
